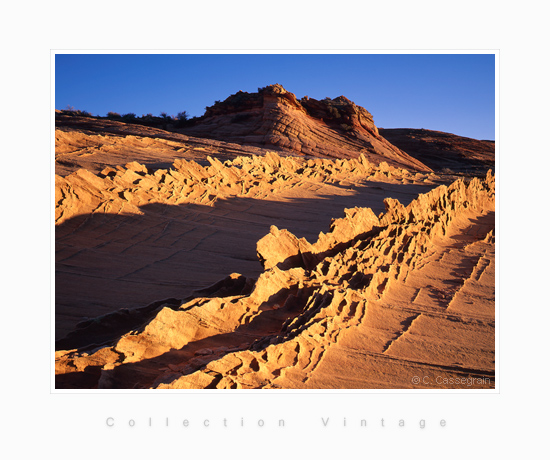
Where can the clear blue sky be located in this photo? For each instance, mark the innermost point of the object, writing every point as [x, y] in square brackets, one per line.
[454, 93]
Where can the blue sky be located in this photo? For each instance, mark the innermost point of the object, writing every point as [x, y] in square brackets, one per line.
[453, 93]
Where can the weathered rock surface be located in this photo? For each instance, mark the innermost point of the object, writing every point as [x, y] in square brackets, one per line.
[94, 144]
[444, 151]
[168, 232]
[409, 291]
[125, 188]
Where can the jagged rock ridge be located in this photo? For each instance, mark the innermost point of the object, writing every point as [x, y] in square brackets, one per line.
[127, 187]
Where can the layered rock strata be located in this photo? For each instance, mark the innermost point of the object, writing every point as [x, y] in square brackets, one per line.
[444, 152]
[94, 144]
[275, 118]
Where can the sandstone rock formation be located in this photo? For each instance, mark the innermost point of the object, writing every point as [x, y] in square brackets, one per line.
[330, 259]
[130, 186]
[275, 118]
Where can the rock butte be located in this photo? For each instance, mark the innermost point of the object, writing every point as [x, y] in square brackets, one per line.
[394, 289]
[274, 117]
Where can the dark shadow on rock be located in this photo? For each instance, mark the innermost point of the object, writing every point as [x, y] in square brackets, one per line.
[145, 373]
[102, 330]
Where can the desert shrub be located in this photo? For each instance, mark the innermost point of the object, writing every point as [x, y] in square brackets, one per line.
[74, 112]
[182, 119]
[113, 115]
[166, 117]
[129, 116]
